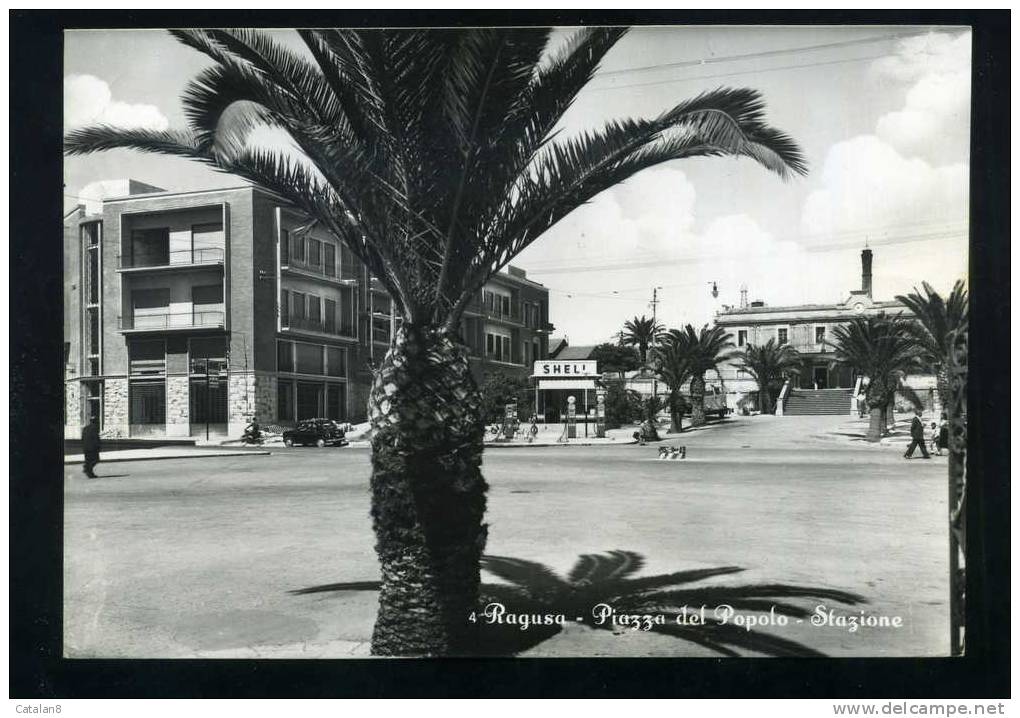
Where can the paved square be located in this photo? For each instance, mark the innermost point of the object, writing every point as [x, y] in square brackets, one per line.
[199, 558]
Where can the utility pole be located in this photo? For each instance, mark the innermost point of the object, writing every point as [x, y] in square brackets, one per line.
[655, 306]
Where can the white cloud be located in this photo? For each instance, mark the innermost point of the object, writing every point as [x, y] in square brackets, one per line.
[870, 189]
[911, 175]
[935, 120]
[88, 100]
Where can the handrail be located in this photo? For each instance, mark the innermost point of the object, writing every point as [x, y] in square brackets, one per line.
[781, 401]
[178, 257]
[173, 320]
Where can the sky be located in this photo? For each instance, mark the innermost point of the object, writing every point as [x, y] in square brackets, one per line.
[882, 114]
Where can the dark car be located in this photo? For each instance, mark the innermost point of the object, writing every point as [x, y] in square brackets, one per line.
[315, 432]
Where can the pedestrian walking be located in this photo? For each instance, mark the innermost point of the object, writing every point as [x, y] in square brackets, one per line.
[916, 437]
[943, 440]
[90, 445]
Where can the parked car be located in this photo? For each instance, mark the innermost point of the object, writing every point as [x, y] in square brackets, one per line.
[315, 432]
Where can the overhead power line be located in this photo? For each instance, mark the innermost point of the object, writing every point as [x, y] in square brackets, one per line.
[621, 265]
[797, 50]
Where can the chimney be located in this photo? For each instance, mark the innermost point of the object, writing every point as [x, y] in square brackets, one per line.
[866, 271]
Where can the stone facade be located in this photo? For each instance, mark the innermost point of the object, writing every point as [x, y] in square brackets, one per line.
[115, 408]
[241, 404]
[72, 409]
[177, 406]
[265, 398]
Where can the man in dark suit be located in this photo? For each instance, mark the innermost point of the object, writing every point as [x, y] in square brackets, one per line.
[916, 437]
[90, 444]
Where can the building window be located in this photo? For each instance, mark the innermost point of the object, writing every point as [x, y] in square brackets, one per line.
[329, 316]
[298, 247]
[329, 260]
[309, 400]
[285, 401]
[782, 336]
[314, 253]
[148, 402]
[207, 355]
[207, 242]
[207, 305]
[150, 247]
[819, 335]
[208, 400]
[92, 275]
[336, 401]
[381, 330]
[284, 247]
[284, 308]
[741, 337]
[314, 309]
[297, 305]
[336, 361]
[284, 356]
[150, 309]
[94, 402]
[309, 359]
[147, 358]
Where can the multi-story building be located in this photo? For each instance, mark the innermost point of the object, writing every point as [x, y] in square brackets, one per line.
[808, 328]
[190, 313]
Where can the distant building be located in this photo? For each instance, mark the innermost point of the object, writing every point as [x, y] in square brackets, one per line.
[807, 328]
[188, 312]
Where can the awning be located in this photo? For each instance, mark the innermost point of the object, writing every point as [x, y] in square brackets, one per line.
[566, 383]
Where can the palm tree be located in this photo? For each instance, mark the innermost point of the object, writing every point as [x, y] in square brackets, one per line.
[770, 364]
[883, 349]
[641, 332]
[937, 319]
[703, 350]
[431, 155]
[675, 371]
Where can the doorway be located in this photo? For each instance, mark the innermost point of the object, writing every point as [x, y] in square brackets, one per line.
[820, 377]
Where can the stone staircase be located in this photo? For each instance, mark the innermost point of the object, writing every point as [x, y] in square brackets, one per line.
[802, 402]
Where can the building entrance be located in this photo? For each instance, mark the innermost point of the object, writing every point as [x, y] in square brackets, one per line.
[820, 377]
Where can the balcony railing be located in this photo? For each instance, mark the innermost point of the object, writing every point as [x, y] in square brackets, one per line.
[178, 257]
[340, 329]
[173, 320]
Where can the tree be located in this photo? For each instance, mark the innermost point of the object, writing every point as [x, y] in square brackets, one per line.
[937, 320]
[431, 154]
[615, 358]
[641, 332]
[674, 369]
[500, 389]
[883, 349]
[770, 364]
[703, 350]
[623, 405]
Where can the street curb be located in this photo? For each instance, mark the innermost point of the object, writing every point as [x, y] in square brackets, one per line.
[209, 455]
[547, 446]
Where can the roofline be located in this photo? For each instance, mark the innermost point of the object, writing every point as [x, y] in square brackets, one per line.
[189, 193]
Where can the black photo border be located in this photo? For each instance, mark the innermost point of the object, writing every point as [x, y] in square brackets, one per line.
[36, 435]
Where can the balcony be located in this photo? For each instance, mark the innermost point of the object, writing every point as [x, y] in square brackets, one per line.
[318, 326]
[178, 259]
[173, 321]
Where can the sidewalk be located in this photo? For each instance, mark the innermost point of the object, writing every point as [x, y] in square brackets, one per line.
[165, 452]
[856, 430]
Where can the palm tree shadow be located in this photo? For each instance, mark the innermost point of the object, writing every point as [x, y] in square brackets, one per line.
[528, 588]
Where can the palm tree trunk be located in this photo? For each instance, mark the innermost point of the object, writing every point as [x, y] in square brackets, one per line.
[876, 424]
[765, 401]
[698, 400]
[428, 495]
[676, 417]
